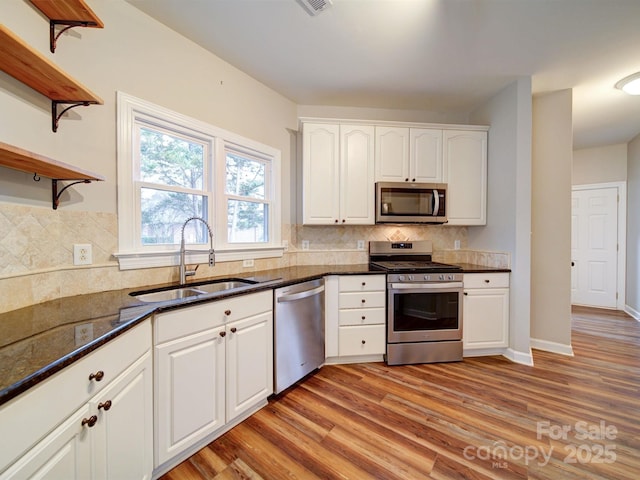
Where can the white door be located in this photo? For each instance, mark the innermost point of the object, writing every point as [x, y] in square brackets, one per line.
[594, 245]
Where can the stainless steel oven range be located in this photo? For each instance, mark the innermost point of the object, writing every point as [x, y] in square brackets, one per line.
[424, 303]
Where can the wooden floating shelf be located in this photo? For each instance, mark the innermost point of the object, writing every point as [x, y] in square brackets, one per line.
[68, 14]
[68, 10]
[29, 162]
[36, 71]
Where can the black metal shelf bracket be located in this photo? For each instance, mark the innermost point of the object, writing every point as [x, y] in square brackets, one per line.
[53, 36]
[55, 194]
[55, 116]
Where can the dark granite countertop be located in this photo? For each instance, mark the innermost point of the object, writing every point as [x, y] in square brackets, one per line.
[40, 340]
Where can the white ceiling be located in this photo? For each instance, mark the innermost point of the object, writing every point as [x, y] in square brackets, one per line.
[437, 55]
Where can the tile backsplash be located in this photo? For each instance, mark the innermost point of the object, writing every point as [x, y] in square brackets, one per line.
[36, 252]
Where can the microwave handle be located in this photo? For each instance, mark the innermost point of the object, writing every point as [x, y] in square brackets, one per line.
[436, 203]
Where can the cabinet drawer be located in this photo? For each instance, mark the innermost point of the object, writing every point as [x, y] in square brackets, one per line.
[365, 340]
[362, 316]
[486, 280]
[361, 300]
[362, 283]
[198, 318]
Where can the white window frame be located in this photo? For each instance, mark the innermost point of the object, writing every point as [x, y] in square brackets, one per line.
[221, 206]
[131, 253]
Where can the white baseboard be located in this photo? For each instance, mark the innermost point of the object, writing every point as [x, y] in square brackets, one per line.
[552, 347]
[483, 352]
[631, 311]
[523, 358]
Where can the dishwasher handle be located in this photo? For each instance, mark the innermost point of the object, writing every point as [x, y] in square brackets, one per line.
[299, 296]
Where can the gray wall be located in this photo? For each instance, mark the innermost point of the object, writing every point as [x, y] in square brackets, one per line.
[551, 221]
[509, 199]
[600, 164]
[633, 228]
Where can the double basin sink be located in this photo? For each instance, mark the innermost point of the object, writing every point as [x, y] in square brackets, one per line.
[183, 291]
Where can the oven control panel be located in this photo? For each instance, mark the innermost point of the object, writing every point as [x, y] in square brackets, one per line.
[425, 277]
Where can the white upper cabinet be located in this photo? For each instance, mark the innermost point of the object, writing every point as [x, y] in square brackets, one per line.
[465, 173]
[425, 155]
[341, 162]
[408, 154]
[321, 173]
[392, 154]
[338, 174]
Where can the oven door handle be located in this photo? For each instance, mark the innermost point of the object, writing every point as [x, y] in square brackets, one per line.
[425, 286]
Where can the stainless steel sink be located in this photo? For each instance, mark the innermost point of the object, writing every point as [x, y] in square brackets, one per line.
[178, 293]
[225, 285]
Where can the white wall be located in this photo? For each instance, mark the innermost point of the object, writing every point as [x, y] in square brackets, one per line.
[509, 199]
[600, 164]
[551, 221]
[633, 229]
[139, 56]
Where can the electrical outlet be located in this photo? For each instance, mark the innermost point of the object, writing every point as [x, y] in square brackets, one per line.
[285, 245]
[83, 334]
[360, 244]
[248, 262]
[82, 254]
[305, 244]
[456, 244]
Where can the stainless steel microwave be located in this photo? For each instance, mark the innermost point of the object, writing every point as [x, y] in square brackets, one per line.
[411, 202]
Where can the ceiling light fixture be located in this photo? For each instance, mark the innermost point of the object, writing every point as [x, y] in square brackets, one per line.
[314, 7]
[630, 84]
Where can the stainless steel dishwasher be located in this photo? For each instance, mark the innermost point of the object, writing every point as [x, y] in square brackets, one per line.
[298, 332]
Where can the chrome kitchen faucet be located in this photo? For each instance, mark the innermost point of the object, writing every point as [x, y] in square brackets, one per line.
[184, 273]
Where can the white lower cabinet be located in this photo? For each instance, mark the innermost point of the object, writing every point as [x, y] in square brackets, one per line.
[189, 390]
[355, 316]
[249, 363]
[486, 311]
[110, 436]
[214, 363]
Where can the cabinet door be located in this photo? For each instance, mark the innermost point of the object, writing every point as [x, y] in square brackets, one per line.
[486, 318]
[321, 174]
[249, 363]
[392, 154]
[465, 172]
[426, 155]
[357, 183]
[64, 454]
[123, 436]
[189, 391]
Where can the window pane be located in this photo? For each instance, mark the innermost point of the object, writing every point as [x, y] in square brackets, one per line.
[170, 160]
[245, 177]
[163, 214]
[247, 222]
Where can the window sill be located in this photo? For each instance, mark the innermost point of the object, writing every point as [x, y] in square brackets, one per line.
[171, 258]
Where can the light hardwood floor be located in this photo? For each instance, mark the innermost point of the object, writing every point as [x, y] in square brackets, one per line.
[483, 418]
